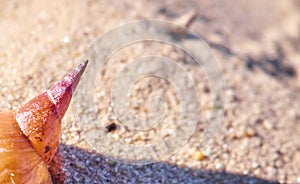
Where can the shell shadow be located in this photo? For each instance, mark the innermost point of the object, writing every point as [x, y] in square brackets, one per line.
[81, 166]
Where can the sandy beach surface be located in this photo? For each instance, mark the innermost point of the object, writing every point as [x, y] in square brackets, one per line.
[257, 44]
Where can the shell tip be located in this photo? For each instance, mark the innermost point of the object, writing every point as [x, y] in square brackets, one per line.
[77, 73]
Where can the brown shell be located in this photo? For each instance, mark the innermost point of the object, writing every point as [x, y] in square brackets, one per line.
[19, 162]
[40, 122]
[29, 137]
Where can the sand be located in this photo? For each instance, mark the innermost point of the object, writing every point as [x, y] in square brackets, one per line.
[256, 44]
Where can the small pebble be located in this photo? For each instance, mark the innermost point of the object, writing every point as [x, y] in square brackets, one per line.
[111, 162]
[245, 172]
[255, 165]
[250, 132]
[111, 127]
[198, 155]
[219, 166]
[80, 165]
[66, 39]
[268, 125]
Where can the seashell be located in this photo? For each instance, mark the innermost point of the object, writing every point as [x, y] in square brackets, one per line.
[29, 136]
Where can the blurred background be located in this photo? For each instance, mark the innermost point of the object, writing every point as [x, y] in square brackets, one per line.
[256, 42]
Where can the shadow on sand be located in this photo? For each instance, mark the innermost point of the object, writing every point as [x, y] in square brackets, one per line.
[82, 165]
